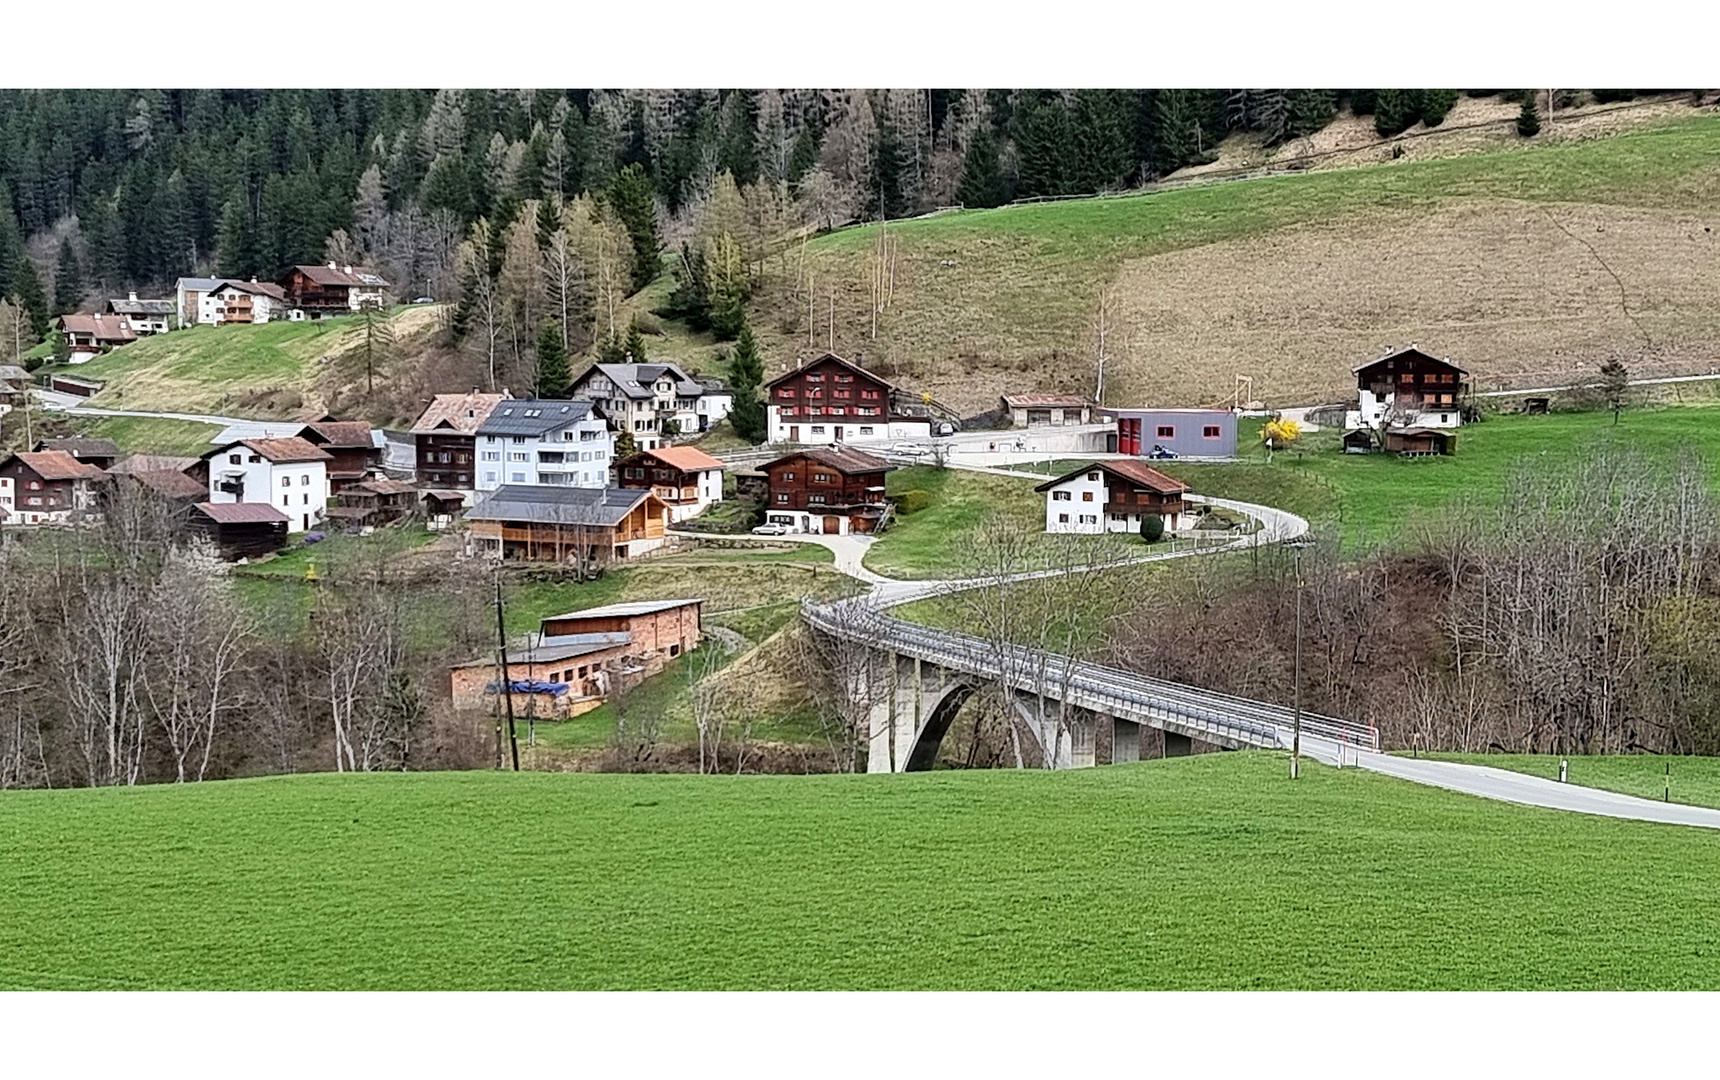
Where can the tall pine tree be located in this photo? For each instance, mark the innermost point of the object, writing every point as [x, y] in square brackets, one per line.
[982, 172]
[553, 372]
[631, 198]
[27, 290]
[746, 373]
[68, 280]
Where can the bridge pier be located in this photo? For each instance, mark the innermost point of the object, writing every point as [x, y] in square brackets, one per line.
[1125, 741]
[1178, 745]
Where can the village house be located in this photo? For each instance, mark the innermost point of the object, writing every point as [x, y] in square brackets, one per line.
[166, 477]
[243, 302]
[832, 400]
[531, 441]
[685, 477]
[653, 402]
[1046, 410]
[89, 336]
[48, 487]
[577, 659]
[351, 446]
[1112, 496]
[374, 502]
[334, 289]
[241, 530]
[1173, 432]
[145, 317]
[102, 453]
[594, 526]
[188, 299]
[14, 388]
[1407, 388]
[830, 490]
[288, 474]
[446, 436]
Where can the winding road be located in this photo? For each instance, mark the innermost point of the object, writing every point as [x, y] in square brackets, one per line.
[1317, 739]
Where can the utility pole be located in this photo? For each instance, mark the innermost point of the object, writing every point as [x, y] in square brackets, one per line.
[507, 684]
[1296, 723]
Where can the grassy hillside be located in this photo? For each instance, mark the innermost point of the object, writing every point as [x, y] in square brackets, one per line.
[1500, 260]
[144, 435]
[1207, 872]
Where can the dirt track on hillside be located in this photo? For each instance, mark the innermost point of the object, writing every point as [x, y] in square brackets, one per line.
[1499, 287]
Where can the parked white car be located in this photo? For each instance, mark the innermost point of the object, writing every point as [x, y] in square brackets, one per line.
[909, 450]
[770, 528]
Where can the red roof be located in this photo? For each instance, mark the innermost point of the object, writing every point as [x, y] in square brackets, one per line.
[116, 329]
[241, 513]
[362, 277]
[279, 451]
[845, 460]
[345, 434]
[58, 465]
[1135, 472]
[685, 458]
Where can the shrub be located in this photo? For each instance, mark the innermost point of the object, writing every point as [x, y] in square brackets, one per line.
[1152, 528]
[1435, 104]
[1529, 120]
[911, 502]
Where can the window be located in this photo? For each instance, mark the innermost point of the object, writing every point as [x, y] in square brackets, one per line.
[784, 392]
[492, 455]
[1210, 431]
[838, 410]
[489, 438]
[582, 671]
[304, 479]
[517, 478]
[286, 500]
[1063, 519]
[1086, 496]
[305, 499]
[821, 478]
[1166, 431]
[1093, 476]
[286, 481]
[255, 458]
[566, 435]
[817, 429]
[1445, 418]
[489, 477]
[865, 429]
[815, 497]
[635, 473]
[518, 440]
[815, 411]
[844, 378]
[232, 459]
[518, 455]
[1089, 519]
[789, 475]
[782, 497]
[869, 395]
[815, 378]
[841, 393]
[1059, 496]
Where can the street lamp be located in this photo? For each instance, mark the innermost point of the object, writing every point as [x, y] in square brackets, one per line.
[1296, 723]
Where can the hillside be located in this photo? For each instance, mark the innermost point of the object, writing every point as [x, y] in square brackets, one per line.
[1523, 263]
[1209, 872]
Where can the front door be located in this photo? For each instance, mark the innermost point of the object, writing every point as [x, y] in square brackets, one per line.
[838, 429]
[794, 433]
[832, 524]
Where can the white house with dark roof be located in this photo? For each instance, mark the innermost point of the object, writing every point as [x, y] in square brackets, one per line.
[145, 316]
[288, 474]
[652, 401]
[531, 441]
[243, 302]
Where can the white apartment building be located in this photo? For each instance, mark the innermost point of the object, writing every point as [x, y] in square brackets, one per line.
[654, 402]
[553, 443]
[288, 474]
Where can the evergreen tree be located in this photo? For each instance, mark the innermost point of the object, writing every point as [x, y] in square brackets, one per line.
[728, 287]
[1183, 129]
[1042, 149]
[1529, 120]
[68, 280]
[625, 445]
[1310, 110]
[635, 344]
[1362, 102]
[553, 372]
[27, 290]
[548, 222]
[612, 351]
[690, 302]
[1101, 140]
[804, 155]
[11, 242]
[746, 374]
[448, 186]
[62, 348]
[982, 172]
[1395, 111]
[1435, 104]
[631, 199]
[1615, 385]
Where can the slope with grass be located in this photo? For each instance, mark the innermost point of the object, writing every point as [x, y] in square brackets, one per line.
[1504, 260]
[149, 435]
[1206, 872]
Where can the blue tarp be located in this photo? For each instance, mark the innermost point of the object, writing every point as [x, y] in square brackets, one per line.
[530, 686]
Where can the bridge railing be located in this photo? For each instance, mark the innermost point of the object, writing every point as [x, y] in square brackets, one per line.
[1093, 686]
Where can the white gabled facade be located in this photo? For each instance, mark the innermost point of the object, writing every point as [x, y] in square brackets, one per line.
[858, 430]
[576, 454]
[240, 302]
[1078, 505]
[241, 473]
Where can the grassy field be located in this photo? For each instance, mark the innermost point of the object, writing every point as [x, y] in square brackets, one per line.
[146, 435]
[1694, 780]
[1207, 872]
[1500, 260]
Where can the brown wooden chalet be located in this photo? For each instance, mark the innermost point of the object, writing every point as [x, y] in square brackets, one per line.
[560, 524]
[446, 435]
[88, 334]
[834, 489]
[50, 486]
[334, 289]
[168, 478]
[102, 453]
[351, 446]
[1112, 496]
[682, 476]
[375, 502]
[1408, 383]
[831, 399]
[241, 530]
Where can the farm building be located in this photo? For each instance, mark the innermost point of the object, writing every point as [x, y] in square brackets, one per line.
[374, 502]
[102, 453]
[549, 677]
[1420, 442]
[1408, 388]
[1178, 432]
[241, 530]
[1112, 496]
[557, 524]
[671, 627]
[1046, 410]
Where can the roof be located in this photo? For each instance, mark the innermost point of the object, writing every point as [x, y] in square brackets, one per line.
[844, 460]
[241, 513]
[1420, 431]
[462, 413]
[279, 451]
[1045, 401]
[685, 458]
[13, 373]
[849, 364]
[630, 607]
[265, 288]
[635, 380]
[1412, 353]
[529, 416]
[1155, 411]
[57, 465]
[169, 483]
[550, 650]
[382, 487]
[94, 325]
[134, 306]
[142, 463]
[343, 276]
[547, 505]
[199, 284]
[1138, 473]
[345, 434]
[79, 447]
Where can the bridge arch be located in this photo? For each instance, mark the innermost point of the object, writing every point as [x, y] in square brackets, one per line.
[930, 738]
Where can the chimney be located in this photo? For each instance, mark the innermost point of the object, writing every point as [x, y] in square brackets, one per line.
[347, 269]
[332, 266]
[134, 295]
[253, 279]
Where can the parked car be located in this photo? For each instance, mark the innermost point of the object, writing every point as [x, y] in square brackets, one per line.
[909, 450]
[770, 528]
[1161, 452]
[425, 300]
[946, 428]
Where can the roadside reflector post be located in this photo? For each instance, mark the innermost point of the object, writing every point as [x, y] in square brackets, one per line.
[1668, 797]
[1564, 764]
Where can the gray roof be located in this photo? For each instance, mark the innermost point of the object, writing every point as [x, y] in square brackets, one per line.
[533, 417]
[635, 380]
[550, 650]
[543, 504]
[141, 307]
[12, 373]
[201, 284]
[629, 607]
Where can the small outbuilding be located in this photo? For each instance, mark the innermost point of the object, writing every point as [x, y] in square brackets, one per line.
[241, 530]
[1420, 442]
[1359, 441]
